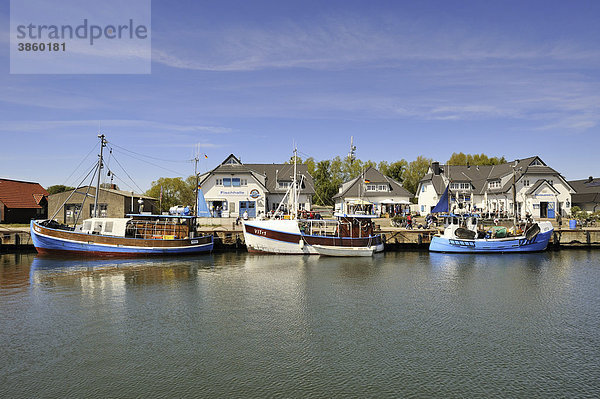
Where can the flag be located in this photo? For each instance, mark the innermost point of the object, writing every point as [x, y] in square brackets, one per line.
[205, 156]
[367, 181]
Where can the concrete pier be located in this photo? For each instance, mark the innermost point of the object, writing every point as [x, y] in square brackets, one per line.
[229, 237]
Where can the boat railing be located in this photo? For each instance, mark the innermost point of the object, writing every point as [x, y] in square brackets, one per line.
[158, 229]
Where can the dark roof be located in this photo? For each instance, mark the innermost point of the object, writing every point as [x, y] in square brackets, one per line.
[586, 186]
[375, 177]
[21, 194]
[587, 191]
[283, 172]
[92, 191]
[270, 173]
[585, 198]
[480, 175]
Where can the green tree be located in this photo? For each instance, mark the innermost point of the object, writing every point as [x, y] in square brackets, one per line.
[474, 159]
[309, 162]
[326, 184]
[394, 170]
[175, 190]
[414, 173]
[59, 188]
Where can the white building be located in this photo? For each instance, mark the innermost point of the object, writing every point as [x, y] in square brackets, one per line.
[374, 192]
[233, 188]
[540, 190]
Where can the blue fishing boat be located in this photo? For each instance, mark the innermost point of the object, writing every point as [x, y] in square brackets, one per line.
[134, 235]
[465, 234]
[462, 234]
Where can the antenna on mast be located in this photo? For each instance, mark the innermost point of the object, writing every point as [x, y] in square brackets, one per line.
[351, 154]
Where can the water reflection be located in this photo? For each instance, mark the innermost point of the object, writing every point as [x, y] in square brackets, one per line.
[116, 273]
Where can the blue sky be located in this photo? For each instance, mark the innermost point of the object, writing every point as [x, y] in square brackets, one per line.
[404, 78]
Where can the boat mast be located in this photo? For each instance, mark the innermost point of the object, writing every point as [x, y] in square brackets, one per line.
[295, 201]
[197, 178]
[102, 145]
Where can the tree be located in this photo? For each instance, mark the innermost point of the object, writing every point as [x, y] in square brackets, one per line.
[474, 159]
[326, 184]
[395, 170]
[309, 162]
[59, 188]
[175, 191]
[415, 172]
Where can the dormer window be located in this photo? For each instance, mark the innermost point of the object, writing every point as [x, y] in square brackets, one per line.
[494, 184]
[371, 187]
[284, 184]
[537, 162]
[382, 187]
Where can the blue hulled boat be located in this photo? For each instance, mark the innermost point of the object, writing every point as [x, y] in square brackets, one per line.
[462, 235]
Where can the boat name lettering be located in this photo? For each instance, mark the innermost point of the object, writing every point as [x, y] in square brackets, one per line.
[260, 232]
[194, 241]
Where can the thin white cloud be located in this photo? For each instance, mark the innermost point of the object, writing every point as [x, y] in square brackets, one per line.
[352, 42]
[29, 126]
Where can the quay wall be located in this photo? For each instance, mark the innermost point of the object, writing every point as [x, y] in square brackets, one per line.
[229, 237]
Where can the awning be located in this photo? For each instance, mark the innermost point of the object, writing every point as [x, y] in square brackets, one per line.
[359, 202]
[390, 201]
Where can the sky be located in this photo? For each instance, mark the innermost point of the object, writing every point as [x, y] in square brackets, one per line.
[255, 78]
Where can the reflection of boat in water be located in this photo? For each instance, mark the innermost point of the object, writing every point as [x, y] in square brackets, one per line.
[45, 269]
[135, 235]
[462, 235]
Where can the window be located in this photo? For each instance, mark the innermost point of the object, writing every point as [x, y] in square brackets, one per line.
[244, 182]
[102, 210]
[494, 184]
[227, 182]
[72, 212]
[284, 184]
[371, 187]
[219, 182]
[537, 162]
[465, 186]
[235, 182]
[108, 227]
[526, 183]
[551, 182]
[381, 187]
[87, 225]
[423, 188]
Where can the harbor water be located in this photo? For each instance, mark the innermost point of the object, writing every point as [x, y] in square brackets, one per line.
[403, 324]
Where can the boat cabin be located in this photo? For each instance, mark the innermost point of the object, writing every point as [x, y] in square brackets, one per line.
[165, 227]
[105, 226]
[346, 225]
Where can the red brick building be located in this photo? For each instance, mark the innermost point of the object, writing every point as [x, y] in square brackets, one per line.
[21, 201]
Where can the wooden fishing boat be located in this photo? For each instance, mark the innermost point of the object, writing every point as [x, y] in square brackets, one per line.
[134, 235]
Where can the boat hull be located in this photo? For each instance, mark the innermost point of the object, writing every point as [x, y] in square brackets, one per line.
[53, 241]
[284, 237]
[516, 244]
[326, 250]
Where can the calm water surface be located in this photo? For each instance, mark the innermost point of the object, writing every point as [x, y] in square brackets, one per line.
[237, 325]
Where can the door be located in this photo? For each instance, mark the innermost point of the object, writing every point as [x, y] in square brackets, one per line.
[543, 210]
[248, 206]
[551, 214]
